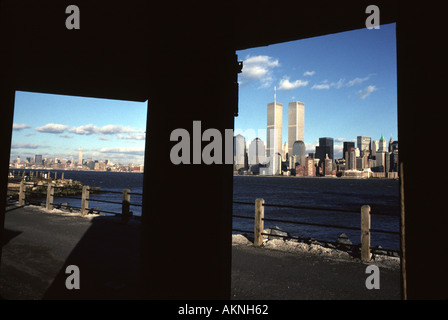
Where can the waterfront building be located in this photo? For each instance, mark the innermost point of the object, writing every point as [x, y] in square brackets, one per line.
[364, 143]
[274, 129]
[239, 152]
[326, 146]
[350, 159]
[299, 152]
[380, 160]
[382, 144]
[375, 147]
[296, 123]
[328, 166]
[257, 152]
[273, 166]
[284, 151]
[393, 145]
[346, 147]
[80, 156]
[38, 159]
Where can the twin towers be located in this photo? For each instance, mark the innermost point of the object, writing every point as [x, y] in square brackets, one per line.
[296, 127]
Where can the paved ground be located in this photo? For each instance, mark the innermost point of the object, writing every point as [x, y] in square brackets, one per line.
[39, 245]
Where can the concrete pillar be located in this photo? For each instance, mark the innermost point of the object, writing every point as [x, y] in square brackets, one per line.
[197, 206]
[7, 95]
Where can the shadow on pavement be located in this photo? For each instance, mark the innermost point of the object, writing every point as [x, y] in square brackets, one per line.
[108, 260]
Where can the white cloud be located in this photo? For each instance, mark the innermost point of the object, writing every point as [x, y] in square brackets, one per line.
[66, 136]
[309, 73]
[113, 129]
[137, 136]
[25, 146]
[338, 84]
[19, 126]
[322, 86]
[52, 128]
[366, 91]
[285, 84]
[107, 129]
[123, 150]
[310, 148]
[258, 69]
[85, 129]
[339, 140]
[356, 81]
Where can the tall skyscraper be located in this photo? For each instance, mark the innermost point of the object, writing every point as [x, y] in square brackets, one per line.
[38, 159]
[296, 123]
[80, 156]
[274, 129]
[257, 152]
[346, 148]
[383, 144]
[326, 146]
[239, 152]
[375, 146]
[364, 144]
[299, 152]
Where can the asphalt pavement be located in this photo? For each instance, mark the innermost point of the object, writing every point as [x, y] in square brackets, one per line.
[39, 245]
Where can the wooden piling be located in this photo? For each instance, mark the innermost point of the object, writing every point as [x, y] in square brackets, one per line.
[22, 193]
[125, 213]
[50, 196]
[259, 223]
[365, 233]
[85, 200]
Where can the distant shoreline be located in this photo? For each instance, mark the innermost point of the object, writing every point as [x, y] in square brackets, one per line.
[70, 170]
[314, 177]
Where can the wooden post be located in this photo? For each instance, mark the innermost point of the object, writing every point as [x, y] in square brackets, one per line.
[55, 175]
[259, 223]
[22, 193]
[50, 196]
[365, 233]
[125, 214]
[62, 176]
[85, 200]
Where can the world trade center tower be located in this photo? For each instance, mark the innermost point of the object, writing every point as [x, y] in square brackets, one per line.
[296, 124]
[274, 129]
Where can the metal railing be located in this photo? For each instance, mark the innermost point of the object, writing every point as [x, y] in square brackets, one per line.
[365, 227]
[85, 198]
[258, 218]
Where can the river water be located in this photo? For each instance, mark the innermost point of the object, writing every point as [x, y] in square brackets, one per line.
[381, 194]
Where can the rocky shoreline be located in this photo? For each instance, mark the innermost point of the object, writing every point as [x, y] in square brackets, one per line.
[341, 249]
[37, 187]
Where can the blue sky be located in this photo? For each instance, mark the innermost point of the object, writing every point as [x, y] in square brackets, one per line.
[347, 82]
[58, 125]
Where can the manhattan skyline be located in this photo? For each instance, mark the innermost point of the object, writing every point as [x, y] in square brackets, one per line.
[347, 82]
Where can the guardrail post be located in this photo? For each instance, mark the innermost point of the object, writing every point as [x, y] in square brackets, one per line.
[85, 200]
[259, 223]
[125, 214]
[50, 197]
[22, 193]
[365, 233]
